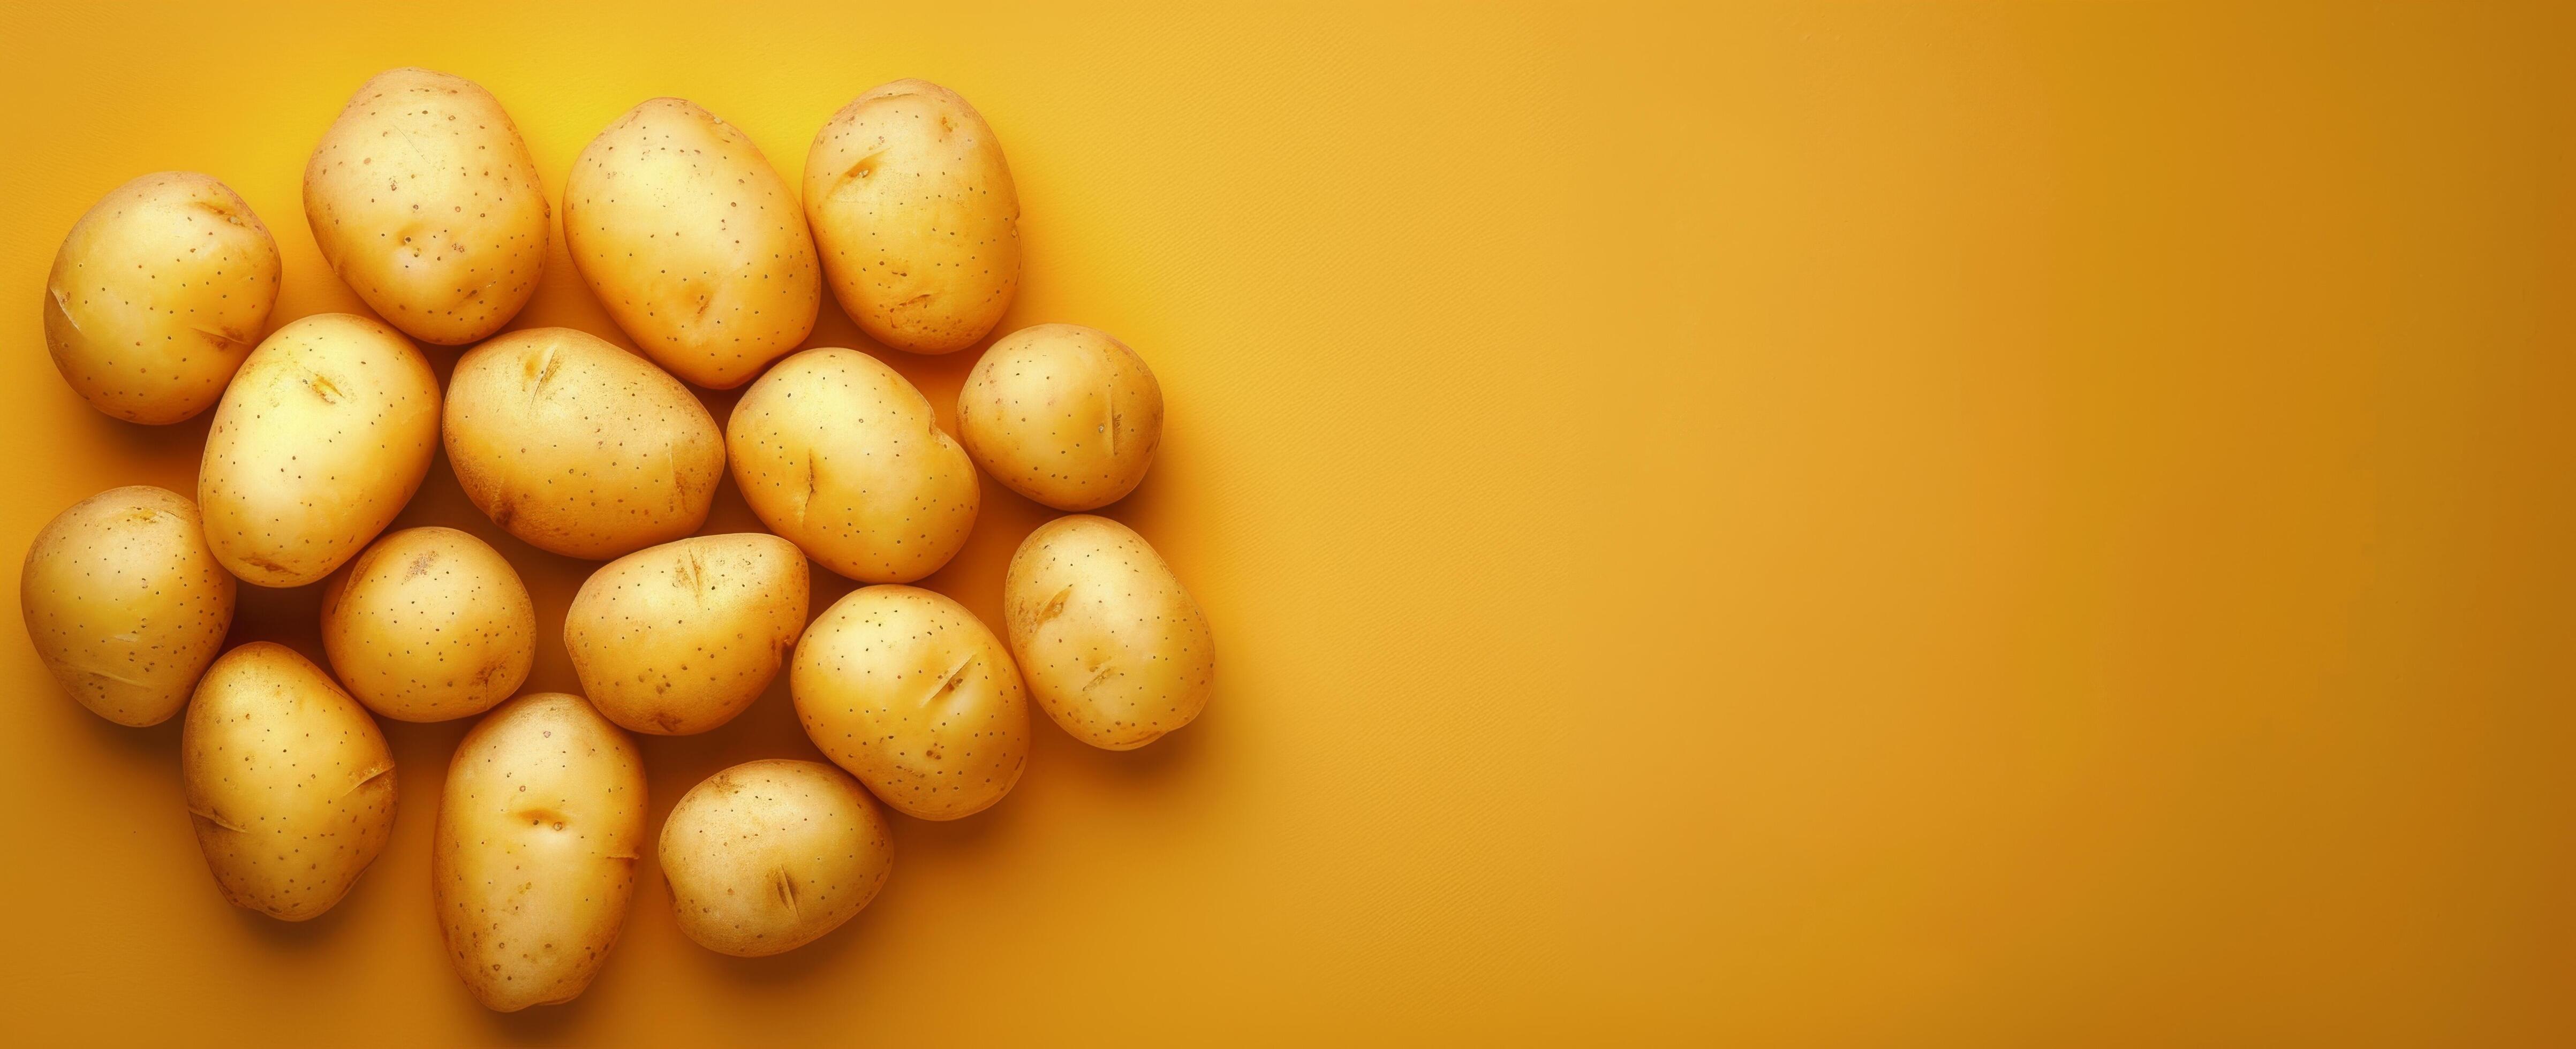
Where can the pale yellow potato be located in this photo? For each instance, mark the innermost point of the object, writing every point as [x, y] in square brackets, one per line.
[533, 860]
[290, 782]
[430, 624]
[322, 437]
[424, 199]
[677, 639]
[693, 242]
[1062, 414]
[916, 216]
[911, 693]
[125, 603]
[579, 447]
[1112, 646]
[157, 295]
[767, 856]
[839, 454]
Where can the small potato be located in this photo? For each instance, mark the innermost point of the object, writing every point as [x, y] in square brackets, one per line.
[693, 242]
[290, 782]
[916, 215]
[767, 856]
[430, 624]
[533, 860]
[579, 447]
[1062, 414]
[1115, 651]
[911, 693]
[425, 201]
[677, 639]
[322, 437]
[157, 295]
[839, 454]
[125, 603]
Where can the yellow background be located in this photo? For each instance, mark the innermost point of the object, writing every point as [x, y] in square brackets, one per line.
[1838, 524]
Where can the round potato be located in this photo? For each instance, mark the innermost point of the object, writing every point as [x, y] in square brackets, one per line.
[290, 782]
[1115, 651]
[916, 215]
[430, 624]
[1062, 414]
[319, 441]
[425, 201]
[677, 639]
[838, 453]
[157, 295]
[579, 447]
[533, 860]
[767, 856]
[911, 693]
[693, 242]
[125, 603]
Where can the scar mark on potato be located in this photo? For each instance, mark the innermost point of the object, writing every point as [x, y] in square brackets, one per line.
[62, 305]
[223, 337]
[954, 679]
[1054, 606]
[118, 678]
[219, 209]
[1097, 676]
[323, 387]
[864, 169]
[210, 817]
[385, 773]
[541, 371]
[785, 885]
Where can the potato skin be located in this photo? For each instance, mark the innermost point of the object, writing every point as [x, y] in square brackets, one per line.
[1062, 414]
[157, 295]
[424, 199]
[579, 447]
[844, 458]
[679, 638]
[289, 781]
[125, 603]
[322, 437]
[767, 856]
[912, 694]
[918, 221]
[693, 242]
[430, 624]
[1112, 646]
[533, 861]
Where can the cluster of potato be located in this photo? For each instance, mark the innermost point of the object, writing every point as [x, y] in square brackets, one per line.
[424, 200]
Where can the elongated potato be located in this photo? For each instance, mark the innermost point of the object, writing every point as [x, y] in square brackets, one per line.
[911, 693]
[157, 295]
[916, 215]
[125, 603]
[430, 624]
[534, 857]
[1062, 414]
[1112, 646]
[289, 780]
[693, 242]
[677, 639]
[767, 856]
[323, 436]
[839, 454]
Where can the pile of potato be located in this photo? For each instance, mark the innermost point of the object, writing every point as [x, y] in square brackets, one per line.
[424, 200]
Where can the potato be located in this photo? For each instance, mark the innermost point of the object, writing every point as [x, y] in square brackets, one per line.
[534, 856]
[911, 693]
[1062, 414]
[290, 782]
[693, 242]
[125, 603]
[157, 295]
[321, 438]
[839, 454]
[767, 856]
[1115, 651]
[917, 218]
[425, 201]
[430, 624]
[579, 447]
[677, 639]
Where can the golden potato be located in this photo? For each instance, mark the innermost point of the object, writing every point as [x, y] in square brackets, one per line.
[290, 782]
[1062, 414]
[157, 295]
[916, 215]
[430, 624]
[911, 693]
[125, 603]
[767, 856]
[839, 454]
[677, 639]
[1112, 646]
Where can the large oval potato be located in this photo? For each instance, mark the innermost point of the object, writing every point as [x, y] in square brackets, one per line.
[1062, 414]
[1112, 646]
[290, 782]
[323, 436]
[911, 693]
[916, 215]
[424, 199]
[534, 857]
[693, 242]
[579, 447]
[430, 624]
[838, 453]
[157, 295]
[767, 856]
[677, 639]
[125, 603]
